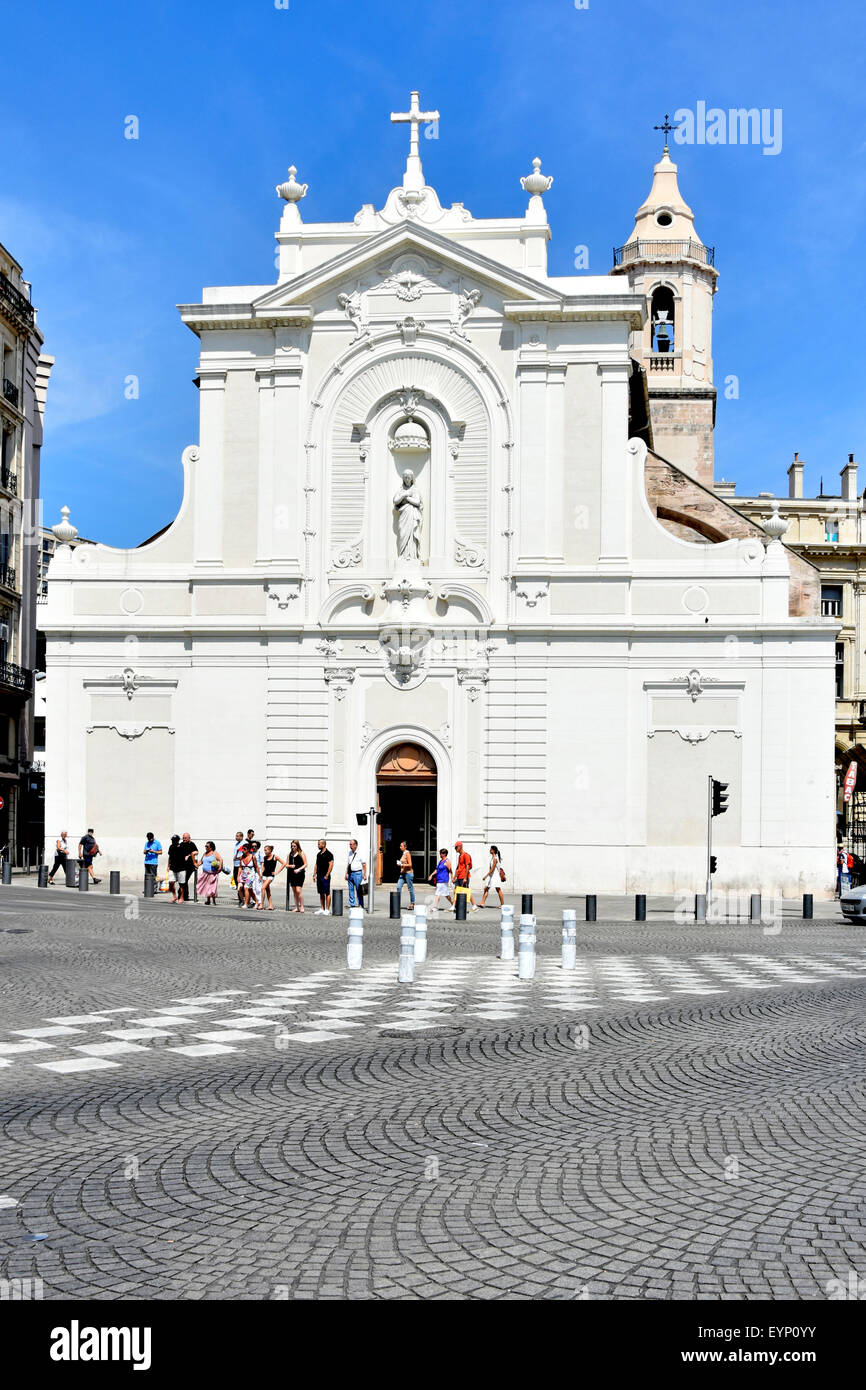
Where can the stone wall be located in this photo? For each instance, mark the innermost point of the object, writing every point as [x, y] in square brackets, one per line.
[693, 513]
[682, 428]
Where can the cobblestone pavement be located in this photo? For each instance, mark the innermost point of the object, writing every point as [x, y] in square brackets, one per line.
[207, 1104]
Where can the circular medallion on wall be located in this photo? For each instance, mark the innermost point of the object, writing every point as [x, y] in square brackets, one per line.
[132, 602]
[695, 599]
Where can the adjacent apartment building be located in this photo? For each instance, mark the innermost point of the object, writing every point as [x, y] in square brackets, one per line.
[23, 386]
[829, 530]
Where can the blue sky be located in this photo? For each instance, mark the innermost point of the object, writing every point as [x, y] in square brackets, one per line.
[113, 233]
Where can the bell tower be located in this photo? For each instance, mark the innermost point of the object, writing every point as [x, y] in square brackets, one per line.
[666, 261]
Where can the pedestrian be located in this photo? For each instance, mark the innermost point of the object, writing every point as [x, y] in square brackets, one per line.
[236, 864]
[270, 861]
[407, 876]
[496, 872]
[61, 855]
[441, 878]
[209, 873]
[838, 892]
[190, 850]
[324, 869]
[248, 874]
[87, 852]
[847, 868]
[356, 872]
[176, 868]
[462, 874]
[297, 865]
[258, 856]
[152, 851]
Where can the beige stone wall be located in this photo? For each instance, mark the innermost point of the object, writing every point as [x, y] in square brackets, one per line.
[692, 512]
[683, 432]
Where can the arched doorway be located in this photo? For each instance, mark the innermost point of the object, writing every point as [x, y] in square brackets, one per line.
[406, 798]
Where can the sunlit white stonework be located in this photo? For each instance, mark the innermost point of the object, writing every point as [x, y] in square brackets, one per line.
[573, 669]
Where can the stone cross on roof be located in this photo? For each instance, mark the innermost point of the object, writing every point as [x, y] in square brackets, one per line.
[413, 177]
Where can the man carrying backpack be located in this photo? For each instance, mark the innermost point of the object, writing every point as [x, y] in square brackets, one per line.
[87, 852]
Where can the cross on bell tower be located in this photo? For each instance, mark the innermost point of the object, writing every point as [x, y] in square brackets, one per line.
[667, 128]
[414, 175]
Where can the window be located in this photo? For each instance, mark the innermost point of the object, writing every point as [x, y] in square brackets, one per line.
[840, 669]
[831, 600]
[831, 529]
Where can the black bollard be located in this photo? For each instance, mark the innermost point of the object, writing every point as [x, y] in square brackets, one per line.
[42, 879]
[525, 903]
[591, 907]
[640, 907]
[7, 871]
[71, 875]
[394, 912]
[149, 881]
[83, 880]
[336, 902]
[460, 906]
[114, 881]
[808, 905]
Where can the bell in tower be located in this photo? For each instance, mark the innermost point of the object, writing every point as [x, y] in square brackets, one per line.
[665, 260]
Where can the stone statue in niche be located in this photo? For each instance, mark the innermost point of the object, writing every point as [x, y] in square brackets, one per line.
[409, 507]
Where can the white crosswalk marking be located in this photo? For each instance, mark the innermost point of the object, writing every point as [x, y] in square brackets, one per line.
[333, 1005]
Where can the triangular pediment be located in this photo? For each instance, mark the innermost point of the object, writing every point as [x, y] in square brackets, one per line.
[400, 241]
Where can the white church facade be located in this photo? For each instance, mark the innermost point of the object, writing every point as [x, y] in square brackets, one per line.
[415, 567]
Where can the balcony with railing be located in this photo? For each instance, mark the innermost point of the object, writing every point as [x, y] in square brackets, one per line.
[666, 362]
[664, 251]
[9, 481]
[11, 392]
[8, 576]
[15, 305]
[15, 677]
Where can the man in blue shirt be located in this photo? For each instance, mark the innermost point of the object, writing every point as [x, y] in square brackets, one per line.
[152, 851]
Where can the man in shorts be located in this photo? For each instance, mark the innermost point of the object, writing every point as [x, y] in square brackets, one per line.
[462, 873]
[87, 852]
[324, 869]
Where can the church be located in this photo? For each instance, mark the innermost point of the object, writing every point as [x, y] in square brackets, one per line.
[448, 547]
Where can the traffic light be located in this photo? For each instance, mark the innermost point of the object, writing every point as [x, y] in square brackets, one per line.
[713, 863]
[720, 797]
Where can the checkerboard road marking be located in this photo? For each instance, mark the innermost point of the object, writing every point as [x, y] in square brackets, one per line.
[335, 1006]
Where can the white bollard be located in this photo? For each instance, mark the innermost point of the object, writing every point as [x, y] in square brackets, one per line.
[355, 948]
[526, 947]
[569, 938]
[420, 932]
[406, 971]
[506, 932]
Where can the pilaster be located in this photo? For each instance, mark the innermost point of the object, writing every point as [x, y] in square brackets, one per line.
[616, 464]
[208, 482]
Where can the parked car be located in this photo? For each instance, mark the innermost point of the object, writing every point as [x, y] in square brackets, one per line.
[853, 904]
